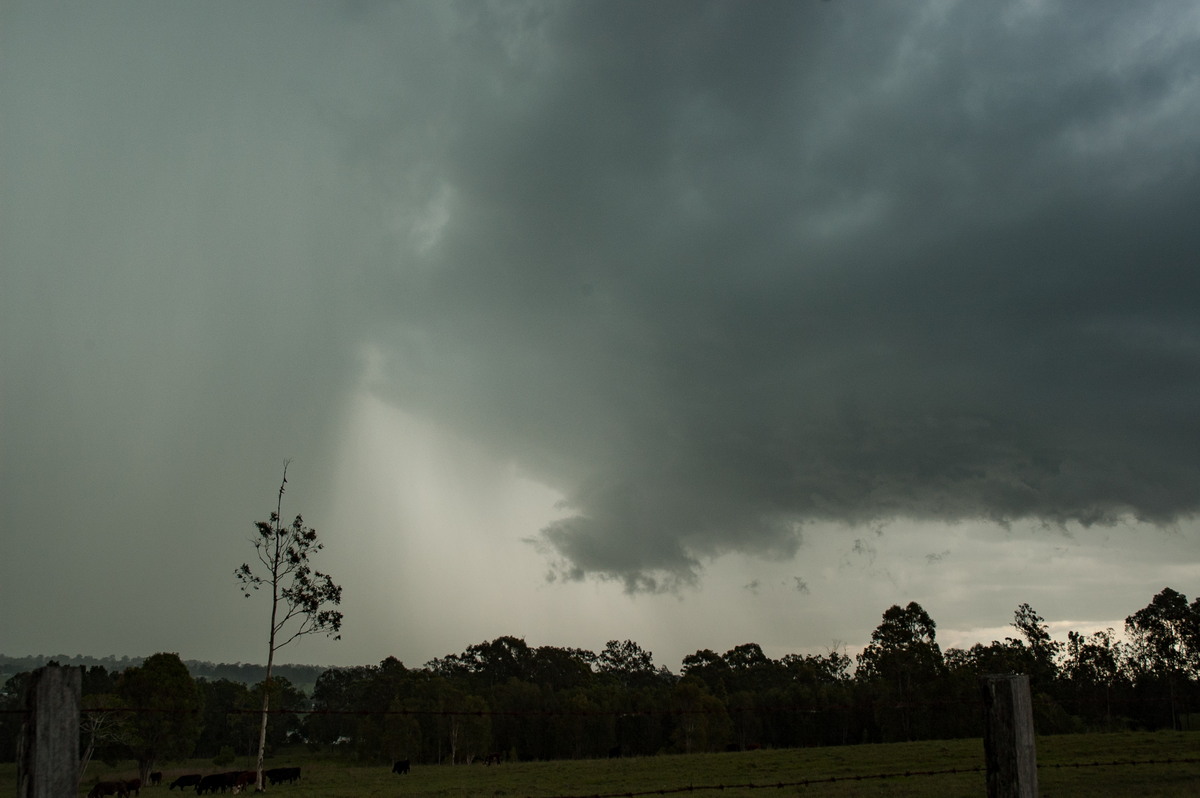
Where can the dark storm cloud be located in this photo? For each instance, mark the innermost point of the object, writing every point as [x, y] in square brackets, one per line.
[716, 270]
[712, 271]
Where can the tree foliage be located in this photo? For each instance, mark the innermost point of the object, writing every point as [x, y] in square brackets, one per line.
[164, 718]
[546, 702]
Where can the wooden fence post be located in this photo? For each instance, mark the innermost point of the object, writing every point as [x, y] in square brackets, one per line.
[48, 750]
[1008, 740]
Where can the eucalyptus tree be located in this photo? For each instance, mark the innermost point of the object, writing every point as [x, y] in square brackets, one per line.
[302, 599]
[1091, 670]
[164, 717]
[1038, 649]
[900, 664]
[627, 663]
[1165, 645]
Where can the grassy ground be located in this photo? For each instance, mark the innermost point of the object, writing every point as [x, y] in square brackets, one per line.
[774, 773]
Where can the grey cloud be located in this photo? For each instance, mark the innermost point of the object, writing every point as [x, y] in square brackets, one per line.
[713, 271]
[717, 270]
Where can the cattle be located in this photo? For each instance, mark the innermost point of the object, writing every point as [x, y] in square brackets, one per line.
[243, 779]
[210, 784]
[400, 767]
[281, 775]
[134, 786]
[190, 780]
[103, 788]
[614, 752]
[217, 782]
[494, 758]
[156, 778]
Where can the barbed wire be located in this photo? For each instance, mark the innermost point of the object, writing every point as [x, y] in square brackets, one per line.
[510, 713]
[810, 709]
[779, 785]
[731, 712]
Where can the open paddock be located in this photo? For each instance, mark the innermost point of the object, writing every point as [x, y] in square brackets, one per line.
[799, 771]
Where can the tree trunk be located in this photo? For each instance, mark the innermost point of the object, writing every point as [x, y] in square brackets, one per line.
[262, 731]
[266, 705]
[85, 760]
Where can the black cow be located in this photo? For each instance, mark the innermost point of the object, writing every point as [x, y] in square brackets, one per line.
[217, 782]
[103, 788]
[190, 780]
[134, 786]
[401, 766]
[281, 775]
[494, 758]
[156, 778]
[210, 784]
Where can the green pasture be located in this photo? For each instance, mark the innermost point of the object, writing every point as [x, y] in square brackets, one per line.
[774, 773]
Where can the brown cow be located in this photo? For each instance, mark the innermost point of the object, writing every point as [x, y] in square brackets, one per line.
[134, 786]
[244, 779]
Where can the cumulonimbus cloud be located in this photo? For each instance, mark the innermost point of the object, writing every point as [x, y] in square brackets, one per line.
[718, 272]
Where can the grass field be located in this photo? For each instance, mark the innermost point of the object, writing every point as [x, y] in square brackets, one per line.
[766, 770]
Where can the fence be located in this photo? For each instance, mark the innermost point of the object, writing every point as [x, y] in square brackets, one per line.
[49, 751]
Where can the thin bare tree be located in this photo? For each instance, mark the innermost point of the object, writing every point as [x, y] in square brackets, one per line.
[301, 598]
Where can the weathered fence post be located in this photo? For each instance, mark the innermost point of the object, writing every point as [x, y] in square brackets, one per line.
[1008, 742]
[48, 750]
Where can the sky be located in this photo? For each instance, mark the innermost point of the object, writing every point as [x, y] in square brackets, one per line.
[690, 323]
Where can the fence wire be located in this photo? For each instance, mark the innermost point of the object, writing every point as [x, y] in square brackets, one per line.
[781, 785]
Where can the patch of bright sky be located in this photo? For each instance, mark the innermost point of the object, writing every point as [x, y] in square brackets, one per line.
[433, 549]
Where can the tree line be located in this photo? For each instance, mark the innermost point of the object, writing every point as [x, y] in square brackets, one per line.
[249, 673]
[505, 696]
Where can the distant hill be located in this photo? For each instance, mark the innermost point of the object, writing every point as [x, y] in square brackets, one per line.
[301, 676]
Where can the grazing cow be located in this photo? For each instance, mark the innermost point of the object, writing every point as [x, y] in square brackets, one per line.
[190, 780]
[281, 775]
[209, 784]
[103, 788]
[243, 779]
[401, 767]
[494, 758]
[217, 782]
[134, 786]
[156, 778]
